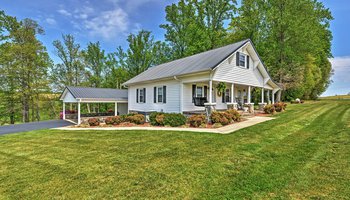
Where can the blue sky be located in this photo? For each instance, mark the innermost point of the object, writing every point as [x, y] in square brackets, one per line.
[110, 21]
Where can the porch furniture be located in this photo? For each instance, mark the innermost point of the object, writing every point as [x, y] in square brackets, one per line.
[200, 101]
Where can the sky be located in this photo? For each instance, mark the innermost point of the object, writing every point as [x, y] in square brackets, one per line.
[111, 21]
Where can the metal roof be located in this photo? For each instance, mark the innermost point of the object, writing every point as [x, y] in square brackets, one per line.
[97, 93]
[196, 63]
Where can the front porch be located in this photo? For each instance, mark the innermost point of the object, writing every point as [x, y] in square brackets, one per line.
[215, 95]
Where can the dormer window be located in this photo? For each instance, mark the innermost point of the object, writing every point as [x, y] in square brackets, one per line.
[242, 60]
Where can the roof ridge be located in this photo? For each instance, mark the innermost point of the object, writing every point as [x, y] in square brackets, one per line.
[86, 87]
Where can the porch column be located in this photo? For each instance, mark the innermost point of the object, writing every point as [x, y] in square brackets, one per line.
[115, 108]
[262, 95]
[210, 92]
[249, 97]
[232, 93]
[268, 96]
[273, 97]
[64, 111]
[78, 113]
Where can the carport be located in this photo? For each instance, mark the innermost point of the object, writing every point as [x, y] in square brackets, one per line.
[79, 95]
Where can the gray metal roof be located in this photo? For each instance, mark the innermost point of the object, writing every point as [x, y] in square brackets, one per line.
[98, 93]
[196, 63]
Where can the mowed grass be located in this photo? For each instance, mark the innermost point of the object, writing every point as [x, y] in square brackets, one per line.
[303, 154]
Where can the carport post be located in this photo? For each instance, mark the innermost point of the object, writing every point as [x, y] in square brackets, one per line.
[115, 108]
[78, 113]
[64, 111]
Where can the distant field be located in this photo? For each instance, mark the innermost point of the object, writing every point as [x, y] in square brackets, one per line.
[336, 97]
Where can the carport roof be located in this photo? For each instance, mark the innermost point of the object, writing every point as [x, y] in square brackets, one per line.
[95, 94]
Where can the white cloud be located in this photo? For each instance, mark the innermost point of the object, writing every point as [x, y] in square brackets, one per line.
[64, 12]
[341, 66]
[50, 21]
[108, 24]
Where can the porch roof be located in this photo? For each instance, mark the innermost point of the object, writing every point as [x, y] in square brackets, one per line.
[89, 94]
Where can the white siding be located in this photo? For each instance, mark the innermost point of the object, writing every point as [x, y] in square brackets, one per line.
[229, 72]
[172, 97]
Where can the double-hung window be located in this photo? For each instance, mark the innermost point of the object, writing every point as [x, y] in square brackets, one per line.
[142, 96]
[160, 94]
[242, 60]
[199, 91]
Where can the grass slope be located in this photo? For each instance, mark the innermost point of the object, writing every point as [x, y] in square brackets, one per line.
[303, 154]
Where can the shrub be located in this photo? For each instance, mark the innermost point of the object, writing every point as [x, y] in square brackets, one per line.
[174, 119]
[152, 118]
[94, 122]
[220, 117]
[280, 106]
[135, 118]
[160, 119]
[234, 114]
[169, 119]
[269, 109]
[115, 120]
[197, 120]
[301, 101]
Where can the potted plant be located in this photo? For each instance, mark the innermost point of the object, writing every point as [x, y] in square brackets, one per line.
[221, 87]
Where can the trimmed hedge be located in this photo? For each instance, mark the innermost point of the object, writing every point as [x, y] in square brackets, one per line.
[115, 120]
[135, 118]
[94, 122]
[167, 119]
[269, 109]
[225, 118]
[280, 106]
[197, 120]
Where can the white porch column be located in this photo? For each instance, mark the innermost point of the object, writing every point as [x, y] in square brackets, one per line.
[115, 108]
[268, 96]
[249, 96]
[78, 113]
[273, 97]
[262, 95]
[232, 93]
[210, 92]
[64, 111]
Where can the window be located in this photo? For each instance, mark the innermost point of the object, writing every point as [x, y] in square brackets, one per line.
[141, 96]
[199, 92]
[160, 94]
[242, 59]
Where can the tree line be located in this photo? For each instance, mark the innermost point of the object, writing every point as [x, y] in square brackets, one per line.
[292, 37]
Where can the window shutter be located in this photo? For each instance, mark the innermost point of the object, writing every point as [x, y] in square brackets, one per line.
[237, 59]
[205, 91]
[223, 97]
[144, 95]
[247, 62]
[137, 95]
[155, 94]
[164, 94]
[193, 92]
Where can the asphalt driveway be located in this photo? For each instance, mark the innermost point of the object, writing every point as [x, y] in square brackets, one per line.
[33, 126]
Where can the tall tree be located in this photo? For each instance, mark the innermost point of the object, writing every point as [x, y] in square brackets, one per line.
[143, 52]
[293, 39]
[94, 60]
[70, 72]
[25, 61]
[194, 26]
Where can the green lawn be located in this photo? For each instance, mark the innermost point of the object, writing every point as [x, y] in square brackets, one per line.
[303, 154]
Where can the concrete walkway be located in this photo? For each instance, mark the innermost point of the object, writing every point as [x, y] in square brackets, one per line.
[223, 130]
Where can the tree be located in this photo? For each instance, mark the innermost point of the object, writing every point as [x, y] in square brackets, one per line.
[94, 61]
[195, 26]
[70, 72]
[24, 65]
[293, 39]
[143, 52]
